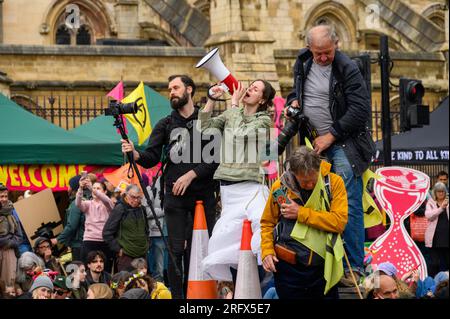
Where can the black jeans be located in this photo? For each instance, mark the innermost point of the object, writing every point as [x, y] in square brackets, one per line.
[301, 282]
[439, 260]
[76, 253]
[179, 214]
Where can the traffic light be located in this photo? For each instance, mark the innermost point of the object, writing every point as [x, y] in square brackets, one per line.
[412, 112]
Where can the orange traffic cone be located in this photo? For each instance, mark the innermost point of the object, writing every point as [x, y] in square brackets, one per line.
[200, 285]
[247, 281]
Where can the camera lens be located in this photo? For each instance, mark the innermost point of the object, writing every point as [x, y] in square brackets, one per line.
[128, 108]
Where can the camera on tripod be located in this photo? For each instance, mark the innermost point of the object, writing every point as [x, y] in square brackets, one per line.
[116, 108]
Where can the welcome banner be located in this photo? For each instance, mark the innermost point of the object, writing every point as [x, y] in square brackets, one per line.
[38, 177]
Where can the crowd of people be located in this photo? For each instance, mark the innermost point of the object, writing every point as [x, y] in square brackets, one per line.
[302, 226]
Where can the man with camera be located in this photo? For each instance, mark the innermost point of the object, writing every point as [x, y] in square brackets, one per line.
[187, 177]
[304, 214]
[329, 90]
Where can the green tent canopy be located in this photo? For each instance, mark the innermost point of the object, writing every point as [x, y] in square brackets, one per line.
[28, 139]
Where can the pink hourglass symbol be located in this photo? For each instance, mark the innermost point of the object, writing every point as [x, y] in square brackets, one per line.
[400, 191]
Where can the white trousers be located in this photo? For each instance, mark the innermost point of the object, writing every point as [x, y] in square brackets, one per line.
[240, 201]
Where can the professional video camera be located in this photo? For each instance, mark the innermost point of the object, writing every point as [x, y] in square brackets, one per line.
[116, 108]
[296, 122]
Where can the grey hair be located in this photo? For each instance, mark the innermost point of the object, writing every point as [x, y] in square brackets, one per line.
[133, 187]
[330, 33]
[139, 263]
[25, 262]
[304, 160]
[439, 186]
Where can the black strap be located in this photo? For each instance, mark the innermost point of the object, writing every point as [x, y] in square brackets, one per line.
[330, 249]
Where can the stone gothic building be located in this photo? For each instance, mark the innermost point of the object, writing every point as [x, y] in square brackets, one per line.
[75, 49]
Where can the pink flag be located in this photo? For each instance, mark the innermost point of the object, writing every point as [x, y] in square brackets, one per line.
[117, 94]
[272, 167]
[279, 107]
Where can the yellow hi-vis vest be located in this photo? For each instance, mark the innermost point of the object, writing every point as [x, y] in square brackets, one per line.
[372, 215]
[328, 245]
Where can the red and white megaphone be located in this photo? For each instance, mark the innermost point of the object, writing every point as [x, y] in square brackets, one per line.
[214, 65]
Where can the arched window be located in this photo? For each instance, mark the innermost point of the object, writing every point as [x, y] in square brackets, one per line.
[438, 20]
[93, 22]
[336, 14]
[83, 36]
[62, 35]
[436, 13]
[323, 21]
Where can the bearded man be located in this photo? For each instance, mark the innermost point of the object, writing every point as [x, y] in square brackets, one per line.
[188, 174]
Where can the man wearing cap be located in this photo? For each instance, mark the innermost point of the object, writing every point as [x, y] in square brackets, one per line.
[72, 234]
[43, 248]
[10, 237]
[60, 290]
[388, 269]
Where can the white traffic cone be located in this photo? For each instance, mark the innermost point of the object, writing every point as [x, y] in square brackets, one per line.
[247, 282]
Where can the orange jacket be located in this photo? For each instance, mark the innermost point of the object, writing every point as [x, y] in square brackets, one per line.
[333, 221]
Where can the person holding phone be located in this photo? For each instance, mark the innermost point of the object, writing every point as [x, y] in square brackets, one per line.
[298, 263]
[97, 212]
[437, 232]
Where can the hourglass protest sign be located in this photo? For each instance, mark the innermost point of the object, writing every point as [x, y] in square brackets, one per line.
[400, 191]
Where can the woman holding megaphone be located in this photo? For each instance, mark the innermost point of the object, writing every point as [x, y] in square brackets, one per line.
[244, 128]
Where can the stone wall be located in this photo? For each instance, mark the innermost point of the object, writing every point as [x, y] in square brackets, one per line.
[4, 84]
[424, 66]
[94, 70]
[98, 63]
[121, 19]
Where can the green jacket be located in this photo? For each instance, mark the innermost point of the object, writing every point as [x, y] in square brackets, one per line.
[72, 234]
[127, 229]
[239, 156]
